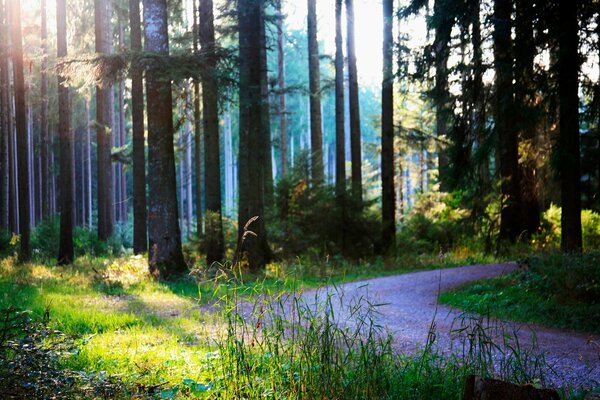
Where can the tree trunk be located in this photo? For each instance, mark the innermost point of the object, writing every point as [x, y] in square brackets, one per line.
[165, 256]
[21, 129]
[340, 144]
[4, 125]
[88, 164]
[527, 124]
[197, 132]
[44, 115]
[140, 236]
[478, 98]
[215, 247]
[387, 133]
[67, 157]
[122, 134]
[505, 131]
[281, 84]
[104, 121]
[568, 141]
[316, 133]
[251, 150]
[355, 134]
[266, 115]
[443, 30]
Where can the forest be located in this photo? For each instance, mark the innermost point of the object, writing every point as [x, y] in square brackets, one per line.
[299, 199]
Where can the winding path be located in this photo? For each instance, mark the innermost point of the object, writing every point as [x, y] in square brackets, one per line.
[408, 305]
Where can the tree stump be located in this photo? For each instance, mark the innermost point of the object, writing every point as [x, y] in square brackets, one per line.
[478, 388]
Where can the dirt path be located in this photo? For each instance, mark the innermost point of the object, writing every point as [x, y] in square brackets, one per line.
[410, 305]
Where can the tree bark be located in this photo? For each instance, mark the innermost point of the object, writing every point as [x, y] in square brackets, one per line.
[4, 125]
[123, 203]
[251, 150]
[266, 114]
[21, 129]
[45, 142]
[316, 133]
[281, 84]
[568, 141]
[505, 131]
[340, 144]
[215, 247]
[165, 256]
[140, 232]
[67, 156]
[104, 121]
[355, 134]
[526, 125]
[197, 131]
[387, 133]
[443, 30]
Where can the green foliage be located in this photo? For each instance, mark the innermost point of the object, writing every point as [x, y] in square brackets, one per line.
[309, 219]
[551, 230]
[45, 238]
[436, 223]
[559, 290]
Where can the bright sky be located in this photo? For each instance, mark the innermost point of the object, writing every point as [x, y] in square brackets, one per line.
[368, 26]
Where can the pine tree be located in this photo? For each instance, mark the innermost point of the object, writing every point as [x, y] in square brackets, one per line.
[316, 132]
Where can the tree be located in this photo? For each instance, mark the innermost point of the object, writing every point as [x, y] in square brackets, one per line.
[443, 21]
[266, 124]
[67, 155]
[140, 233]
[104, 120]
[251, 148]
[387, 132]
[340, 143]
[505, 131]
[526, 119]
[165, 256]
[212, 163]
[197, 130]
[568, 140]
[45, 140]
[355, 134]
[281, 84]
[316, 133]
[4, 126]
[21, 128]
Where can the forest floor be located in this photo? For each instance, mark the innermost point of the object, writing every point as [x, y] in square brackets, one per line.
[407, 307]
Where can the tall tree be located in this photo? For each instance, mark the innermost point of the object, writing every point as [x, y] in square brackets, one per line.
[505, 131]
[387, 132]
[45, 140]
[355, 134]
[316, 132]
[197, 130]
[122, 205]
[104, 120]
[67, 154]
[266, 114]
[526, 119]
[443, 21]
[340, 148]
[251, 149]
[165, 256]
[21, 128]
[4, 126]
[281, 84]
[568, 141]
[212, 162]
[140, 233]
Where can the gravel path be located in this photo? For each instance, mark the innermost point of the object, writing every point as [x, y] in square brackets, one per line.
[410, 304]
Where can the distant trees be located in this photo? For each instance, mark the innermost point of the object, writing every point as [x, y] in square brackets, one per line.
[140, 234]
[165, 256]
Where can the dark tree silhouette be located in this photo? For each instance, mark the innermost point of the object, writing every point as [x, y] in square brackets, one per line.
[316, 132]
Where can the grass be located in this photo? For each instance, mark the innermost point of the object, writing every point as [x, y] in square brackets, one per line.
[165, 340]
[555, 290]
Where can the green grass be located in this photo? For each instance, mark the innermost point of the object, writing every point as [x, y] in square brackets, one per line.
[165, 340]
[557, 291]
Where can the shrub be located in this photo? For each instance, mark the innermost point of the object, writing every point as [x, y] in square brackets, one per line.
[551, 230]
